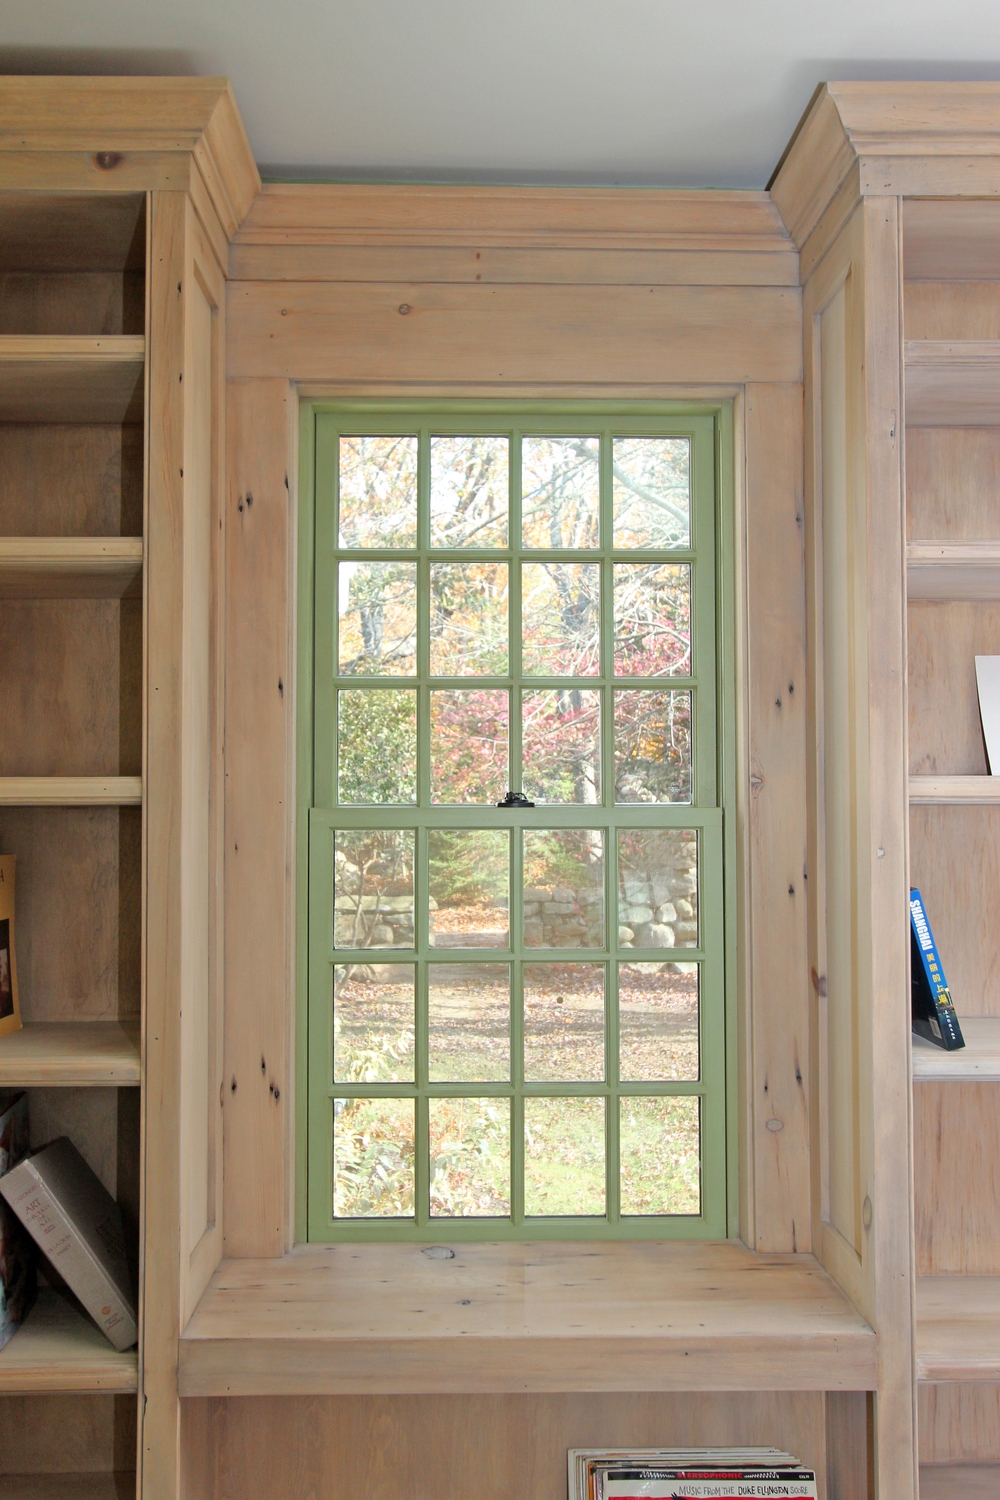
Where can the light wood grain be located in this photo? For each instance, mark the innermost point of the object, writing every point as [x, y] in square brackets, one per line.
[951, 310]
[958, 240]
[65, 1053]
[960, 1482]
[953, 570]
[977, 1062]
[944, 639]
[61, 481]
[955, 861]
[775, 838]
[71, 379]
[958, 1328]
[69, 567]
[72, 232]
[956, 1153]
[70, 791]
[608, 1316]
[849, 1442]
[952, 384]
[954, 791]
[259, 747]
[78, 302]
[58, 1349]
[390, 1444]
[952, 481]
[64, 1434]
[959, 1423]
[323, 331]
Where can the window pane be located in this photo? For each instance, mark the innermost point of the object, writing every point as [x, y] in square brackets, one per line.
[469, 489]
[469, 729]
[468, 619]
[564, 1023]
[563, 1157]
[373, 1158]
[658, 888]
[470, 1158]
[377, 746]
[561, 619]
[378, 619]
[468, 1009]
[563, 888]
[561, 745]
[469, 887]
[560, 491]
[658, 1022]
[373, 1023]
[660, 1156]
[373, 888]
[652, 746]
[652, 619]
[652, 492]
[378, 491]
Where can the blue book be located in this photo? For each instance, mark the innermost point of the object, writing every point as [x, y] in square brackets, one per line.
[933, 1009]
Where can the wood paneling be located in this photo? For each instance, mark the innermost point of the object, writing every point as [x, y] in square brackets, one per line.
[956, 1166]
[952, 483]
[957, 239]
[849, 1445]
[325, 332]
[71, 481]
[73, 232]
[951, 309]
[61, 1434]
[777, 1185]
[81, 302]
[958, 1329]
[955, 861]
[943, 640]
[960, 1482]
[952, 384]
[959, 1424]
[493, 1447]
[259, 751]
[612, 1315]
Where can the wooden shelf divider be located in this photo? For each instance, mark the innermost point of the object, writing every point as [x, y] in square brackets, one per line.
[70, 791]
[954, 791]
[977, 1062]
[58, 1349]
[71, 1053]
[958, 1329]
[45, 378]
[952, 384]
[953, 570]
[73, 567]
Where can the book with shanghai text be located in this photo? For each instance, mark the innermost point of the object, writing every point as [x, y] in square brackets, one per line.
[932, 1008]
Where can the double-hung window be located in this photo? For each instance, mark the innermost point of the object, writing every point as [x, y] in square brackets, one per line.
[516, 955]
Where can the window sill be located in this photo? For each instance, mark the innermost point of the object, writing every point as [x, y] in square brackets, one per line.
[639, 1316]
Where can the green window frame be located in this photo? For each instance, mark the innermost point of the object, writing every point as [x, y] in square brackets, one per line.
[709, 682]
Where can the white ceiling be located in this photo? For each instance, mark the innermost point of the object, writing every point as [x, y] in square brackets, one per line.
[703, 93]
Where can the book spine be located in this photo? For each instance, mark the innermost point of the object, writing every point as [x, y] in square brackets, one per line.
[56, 1236]
[940, 995]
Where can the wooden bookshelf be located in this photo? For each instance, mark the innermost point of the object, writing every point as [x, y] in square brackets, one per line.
[954, 791]
[71, 1054]
[953, 570]
[952, 384]
[58, 1348]
[70, 791]
[50, 378]
[977, 1062]
[958, 1329]
[70, 567]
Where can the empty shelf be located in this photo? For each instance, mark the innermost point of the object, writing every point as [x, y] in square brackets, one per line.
[70, 1053]
[69, 567]
[958, 1328]
[72, 379]
[958, 791]
[70, 791]
[952, 384]
[953, 570]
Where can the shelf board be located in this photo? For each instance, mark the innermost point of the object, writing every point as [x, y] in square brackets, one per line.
[952, 384]
[954, 791]
[58, 1349]
[959, 1481]
[71, 1053]
[70, 791]
[977, 1062]
[99, 1486]
[70, 567]
[958, 1328]
[73, 379]
[953, 570]
[605, 1315]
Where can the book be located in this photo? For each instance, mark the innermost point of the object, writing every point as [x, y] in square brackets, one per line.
[18, 1257]
[10, 1011]
[988, 684]
[694, 1473]
[77, 1224]
[933, 1010]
